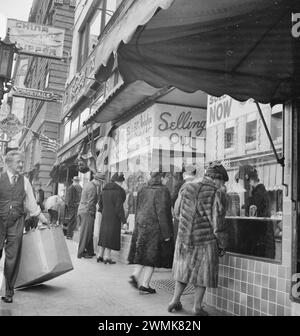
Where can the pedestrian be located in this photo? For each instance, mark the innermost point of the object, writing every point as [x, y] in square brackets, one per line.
[152, 242]
[201, 237]
[72, 202]
[16, 198]
[111, 206]
[55, 207]
[86, 215]
[40, 196]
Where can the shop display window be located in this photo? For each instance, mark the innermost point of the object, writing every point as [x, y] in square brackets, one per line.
[254, 190]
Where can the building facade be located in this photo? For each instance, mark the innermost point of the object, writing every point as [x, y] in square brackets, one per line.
[159, 129]
[47, 75]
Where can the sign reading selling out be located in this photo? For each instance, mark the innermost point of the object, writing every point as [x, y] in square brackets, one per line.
[35, 39]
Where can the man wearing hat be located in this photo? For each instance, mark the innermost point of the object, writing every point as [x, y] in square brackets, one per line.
[86, 215]
[72, 202]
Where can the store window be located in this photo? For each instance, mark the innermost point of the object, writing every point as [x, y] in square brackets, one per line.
[67, 130]
[254, 190]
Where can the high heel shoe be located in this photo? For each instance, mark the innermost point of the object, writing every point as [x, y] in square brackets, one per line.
[109, 261]
[99, 259]
[174, 306]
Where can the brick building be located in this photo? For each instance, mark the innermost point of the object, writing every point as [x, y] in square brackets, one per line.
[48, 75]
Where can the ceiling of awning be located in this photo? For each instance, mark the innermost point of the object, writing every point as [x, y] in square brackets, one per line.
[243, 48]
[123, 99]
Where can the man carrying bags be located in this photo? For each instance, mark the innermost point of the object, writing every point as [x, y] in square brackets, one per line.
[16, 197]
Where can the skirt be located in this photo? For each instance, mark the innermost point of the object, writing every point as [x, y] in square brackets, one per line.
[198, 265]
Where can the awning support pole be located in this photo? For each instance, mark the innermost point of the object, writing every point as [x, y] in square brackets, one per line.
[278, 159]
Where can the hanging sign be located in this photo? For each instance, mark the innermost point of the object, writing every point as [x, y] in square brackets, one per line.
[11, 125]
[36, 94]
[35, 39]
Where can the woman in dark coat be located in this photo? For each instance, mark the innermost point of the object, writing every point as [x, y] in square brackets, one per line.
[152, 241]
[111, 207]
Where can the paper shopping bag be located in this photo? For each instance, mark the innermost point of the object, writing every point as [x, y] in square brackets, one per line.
[44, 256]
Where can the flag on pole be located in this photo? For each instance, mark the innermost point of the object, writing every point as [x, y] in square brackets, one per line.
[46, 142]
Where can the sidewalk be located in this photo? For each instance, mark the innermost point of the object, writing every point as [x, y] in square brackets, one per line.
[94, 289]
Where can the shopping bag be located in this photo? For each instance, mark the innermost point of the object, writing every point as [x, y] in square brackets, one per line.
[44, 256]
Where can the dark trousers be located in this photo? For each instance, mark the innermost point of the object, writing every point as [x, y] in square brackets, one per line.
[86, 243]
[11, 240]
[72, 221]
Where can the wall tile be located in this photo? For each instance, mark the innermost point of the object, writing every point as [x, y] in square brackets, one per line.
[272, 309]
[265, 281]
[264, 293]
[280, 310]
[272, 296]
[273, 283]
[264, 306]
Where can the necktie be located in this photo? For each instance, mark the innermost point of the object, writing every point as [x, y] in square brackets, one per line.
[14, 179]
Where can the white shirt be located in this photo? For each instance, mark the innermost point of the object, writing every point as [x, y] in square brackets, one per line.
[30, 203]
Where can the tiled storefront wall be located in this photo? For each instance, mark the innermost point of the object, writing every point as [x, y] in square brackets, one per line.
[252, 287]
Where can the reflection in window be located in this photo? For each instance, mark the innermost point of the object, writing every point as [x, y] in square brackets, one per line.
[74, 127]
[229, 134]
[276, 126]
[84, 116]
[251, 131]
[254, 192]
[67, 131]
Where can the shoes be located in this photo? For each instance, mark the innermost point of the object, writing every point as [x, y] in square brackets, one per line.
[108, 261]
[145, 290]
[99, 259]
[85, 255]
[133, 282]
[200, 312]
[7, 299]
[174, 306]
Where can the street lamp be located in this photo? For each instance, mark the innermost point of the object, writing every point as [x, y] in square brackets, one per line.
[7, 50]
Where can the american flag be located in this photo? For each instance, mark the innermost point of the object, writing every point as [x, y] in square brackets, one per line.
[46, 142]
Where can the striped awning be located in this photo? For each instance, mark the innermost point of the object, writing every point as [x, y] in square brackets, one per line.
[270, 175]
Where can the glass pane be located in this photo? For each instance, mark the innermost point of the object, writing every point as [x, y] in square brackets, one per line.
[95, 29]
[254, 193]
[74, 127]
[111, 6]
[251, 131]
[67, 131]
[83, 117]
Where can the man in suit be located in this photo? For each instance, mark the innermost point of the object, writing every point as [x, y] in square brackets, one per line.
[73, 199]
[86, 215]
[16, 197]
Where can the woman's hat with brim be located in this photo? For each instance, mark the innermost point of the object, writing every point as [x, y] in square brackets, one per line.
[216, 170]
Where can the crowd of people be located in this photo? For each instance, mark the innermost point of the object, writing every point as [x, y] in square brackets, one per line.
[184, 231]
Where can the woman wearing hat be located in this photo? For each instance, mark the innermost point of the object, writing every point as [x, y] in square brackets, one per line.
[152, 241]
[201, 237]
[111, 207]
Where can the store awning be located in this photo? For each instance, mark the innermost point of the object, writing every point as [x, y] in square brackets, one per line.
[120, 101]
[243, 48]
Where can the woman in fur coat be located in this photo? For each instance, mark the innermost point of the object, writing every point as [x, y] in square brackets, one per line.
[152, 242]
[201, 236]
